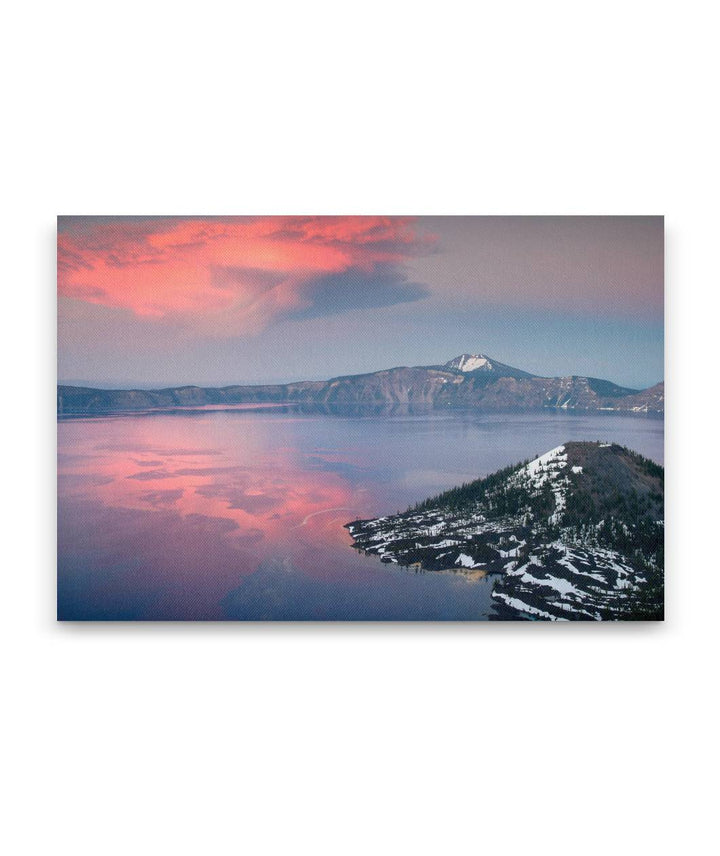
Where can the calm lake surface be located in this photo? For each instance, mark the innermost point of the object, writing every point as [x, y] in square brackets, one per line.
[217, 515]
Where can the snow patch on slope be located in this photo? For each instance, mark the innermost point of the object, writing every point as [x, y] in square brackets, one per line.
[547, 468]
[471, 363]
[467, 561]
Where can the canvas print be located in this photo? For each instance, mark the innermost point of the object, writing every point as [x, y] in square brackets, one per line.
[360, 418]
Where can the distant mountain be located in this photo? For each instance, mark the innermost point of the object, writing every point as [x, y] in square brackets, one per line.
[574, 534]
[469, 380]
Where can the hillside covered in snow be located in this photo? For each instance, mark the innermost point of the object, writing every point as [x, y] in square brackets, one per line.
[576, 533]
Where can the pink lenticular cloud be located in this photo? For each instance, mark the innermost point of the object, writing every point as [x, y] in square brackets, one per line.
[236, 275]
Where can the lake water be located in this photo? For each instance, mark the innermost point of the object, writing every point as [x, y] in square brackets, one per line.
[217, 515]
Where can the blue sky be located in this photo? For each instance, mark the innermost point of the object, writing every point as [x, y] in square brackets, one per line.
[168, 301]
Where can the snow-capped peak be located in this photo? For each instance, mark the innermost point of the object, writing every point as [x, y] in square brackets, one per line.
[470, 363]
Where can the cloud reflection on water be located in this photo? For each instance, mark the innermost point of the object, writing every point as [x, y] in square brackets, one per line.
[193, 519]
[240, 515]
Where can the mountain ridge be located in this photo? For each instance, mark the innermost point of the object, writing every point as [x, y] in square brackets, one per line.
[468, 380]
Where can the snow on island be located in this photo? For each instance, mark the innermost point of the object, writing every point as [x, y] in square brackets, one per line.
[573, 534]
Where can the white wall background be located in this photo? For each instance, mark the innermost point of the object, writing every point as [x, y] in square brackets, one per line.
[358, 739]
